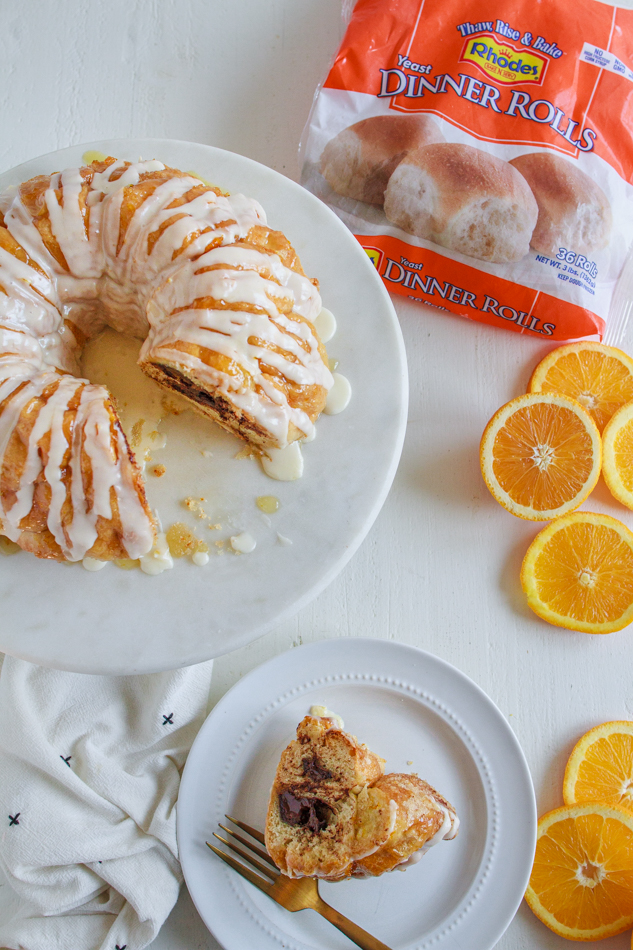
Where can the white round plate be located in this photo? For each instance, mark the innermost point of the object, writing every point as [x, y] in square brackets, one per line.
[125, 622]
[422, 715]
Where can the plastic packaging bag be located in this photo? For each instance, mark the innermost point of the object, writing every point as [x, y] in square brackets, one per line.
[485, 164]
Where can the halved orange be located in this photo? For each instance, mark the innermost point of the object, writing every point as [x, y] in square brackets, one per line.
[581, 884]
[617, 459]
[600, 767]
[578, 573]
[599, 377]
[540, 455]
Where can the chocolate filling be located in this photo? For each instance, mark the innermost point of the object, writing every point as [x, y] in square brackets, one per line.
[314, 771]
[200, 397]
[309, 813]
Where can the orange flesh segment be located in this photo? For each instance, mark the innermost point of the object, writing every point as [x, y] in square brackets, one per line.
[599, 553]
[583, 872]
[542, 456]
[600, 383]
[606, 772]
[623, 451]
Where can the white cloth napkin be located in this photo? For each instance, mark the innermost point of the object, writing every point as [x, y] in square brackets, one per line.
[89, 774]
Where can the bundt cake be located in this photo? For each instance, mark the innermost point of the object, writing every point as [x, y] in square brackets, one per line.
[220, 300]
[334, 814]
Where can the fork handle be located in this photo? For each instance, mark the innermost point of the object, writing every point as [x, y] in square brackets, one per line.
[348, 927]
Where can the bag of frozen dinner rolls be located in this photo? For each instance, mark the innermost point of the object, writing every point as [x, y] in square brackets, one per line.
[482, 154]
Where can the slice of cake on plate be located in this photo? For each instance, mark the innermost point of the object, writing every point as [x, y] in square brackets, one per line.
[334, 814]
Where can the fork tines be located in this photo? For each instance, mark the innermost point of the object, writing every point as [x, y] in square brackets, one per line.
[253, 832]
[269, 870]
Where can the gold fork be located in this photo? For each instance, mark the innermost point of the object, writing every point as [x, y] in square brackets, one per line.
[293, 894]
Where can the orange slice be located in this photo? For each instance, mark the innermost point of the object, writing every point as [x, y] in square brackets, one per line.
[599, 377]
[617, 459]
[540, 456]
[581, 884]
[578, 573]
[600, 767]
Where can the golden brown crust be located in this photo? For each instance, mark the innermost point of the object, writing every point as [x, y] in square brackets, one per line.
[420, 815]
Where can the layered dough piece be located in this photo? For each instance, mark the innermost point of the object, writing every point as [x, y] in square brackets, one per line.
[333, 813]
[463, 199]
[69, 486]
[232, 331]
[136, 247]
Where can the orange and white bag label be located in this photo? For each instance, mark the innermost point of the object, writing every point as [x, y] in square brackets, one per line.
[486, 165]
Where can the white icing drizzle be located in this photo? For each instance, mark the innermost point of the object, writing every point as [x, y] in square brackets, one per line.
[285, 465]
[264, 334]
[393, 814]
[200, 558]
[284, 541]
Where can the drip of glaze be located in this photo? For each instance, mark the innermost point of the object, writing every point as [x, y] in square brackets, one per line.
[243, 543]
[325, 325]
[322, 712]
[8, 547]
[267, 503]
[285, 542]
[92, 156]
[285, 465]
[339, 395]
[200, 558]
[92, 564]
[159, 559]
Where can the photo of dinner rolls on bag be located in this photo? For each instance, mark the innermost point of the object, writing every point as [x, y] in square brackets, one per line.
[516, 210]
[463, 199]
[358, 162]
[573, 211]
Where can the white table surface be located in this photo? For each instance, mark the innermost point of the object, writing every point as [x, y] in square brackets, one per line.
[440, 568]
